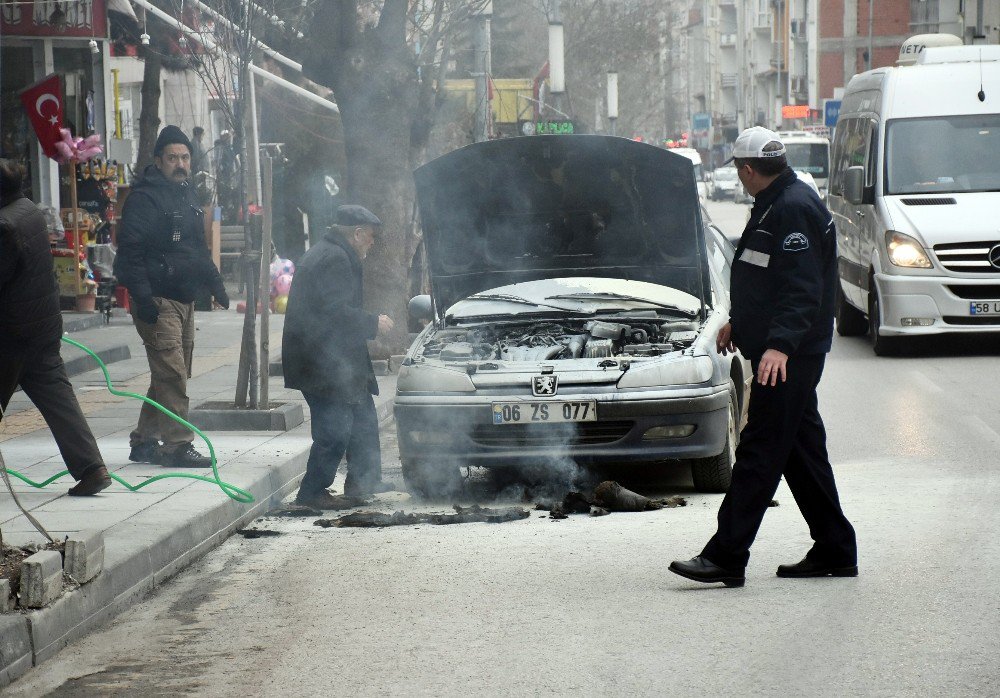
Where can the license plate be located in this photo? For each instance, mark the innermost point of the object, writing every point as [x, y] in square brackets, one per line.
[984, 308]
[544, 412]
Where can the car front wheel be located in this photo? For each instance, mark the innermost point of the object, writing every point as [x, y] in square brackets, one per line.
[714, 474]
[881, 345]
[851, 322]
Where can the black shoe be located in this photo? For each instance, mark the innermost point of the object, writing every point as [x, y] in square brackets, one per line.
[95, 480]
[368, 490]
[323, 500]
[811, 568]
[145, 452]
[702, 569]
[185, 457]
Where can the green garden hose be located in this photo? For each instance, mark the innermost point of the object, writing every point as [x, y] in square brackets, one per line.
[232, 491]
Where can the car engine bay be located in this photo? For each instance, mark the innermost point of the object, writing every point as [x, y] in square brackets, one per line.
[548, 341]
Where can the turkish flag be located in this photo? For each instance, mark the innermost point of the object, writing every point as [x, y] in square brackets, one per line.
[43, 102]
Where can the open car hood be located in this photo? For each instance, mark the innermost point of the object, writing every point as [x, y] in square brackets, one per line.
[536, 207]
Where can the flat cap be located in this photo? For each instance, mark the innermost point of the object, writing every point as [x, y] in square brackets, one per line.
[356, 215]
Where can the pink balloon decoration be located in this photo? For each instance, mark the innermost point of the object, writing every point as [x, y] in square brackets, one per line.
[283, 284]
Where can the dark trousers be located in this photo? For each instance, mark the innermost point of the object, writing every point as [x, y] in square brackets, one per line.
[784, 435]
[43, 379]
[339, 429]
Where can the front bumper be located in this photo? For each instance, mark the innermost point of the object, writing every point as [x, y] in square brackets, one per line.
[944, 299]
[461, 429]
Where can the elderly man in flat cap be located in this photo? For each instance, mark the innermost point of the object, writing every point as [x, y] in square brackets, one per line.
[325, 355]
[164, 263]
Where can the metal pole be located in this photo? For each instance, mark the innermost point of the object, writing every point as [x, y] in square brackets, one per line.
[265, 278]
[254, 133]
[871, 14]
[482, 76]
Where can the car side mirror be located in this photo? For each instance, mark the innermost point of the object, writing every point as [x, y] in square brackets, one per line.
[854, 185]
[421, 309]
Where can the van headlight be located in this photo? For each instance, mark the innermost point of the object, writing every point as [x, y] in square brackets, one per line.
[906, 251]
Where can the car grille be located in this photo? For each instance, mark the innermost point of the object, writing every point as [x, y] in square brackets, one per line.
[962, 320]
[979, 292]
[967, 257]
[572, 434]
[929, 202]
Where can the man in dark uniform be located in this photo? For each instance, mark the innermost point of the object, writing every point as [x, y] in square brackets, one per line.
[30, 328]
[783, 285]
[165, 265]
[324, 353]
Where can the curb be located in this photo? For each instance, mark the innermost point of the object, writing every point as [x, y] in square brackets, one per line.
[129, 576]
[82, 363]
[78, 322]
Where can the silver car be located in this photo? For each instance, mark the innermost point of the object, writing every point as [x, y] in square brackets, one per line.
[576, 297]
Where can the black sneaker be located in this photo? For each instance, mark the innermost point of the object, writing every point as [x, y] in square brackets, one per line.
[145, 452]
[185, 457]
[95, 480]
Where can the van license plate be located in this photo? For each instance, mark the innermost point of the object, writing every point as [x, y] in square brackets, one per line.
[984, 308]
[544, 412]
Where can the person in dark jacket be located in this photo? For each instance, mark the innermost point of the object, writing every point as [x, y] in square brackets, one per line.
[783, 284]
[324, 353]
[164, 263]
[30, 329]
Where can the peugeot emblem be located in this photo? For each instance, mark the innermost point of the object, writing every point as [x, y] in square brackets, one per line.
[544, 386]
[994, 256]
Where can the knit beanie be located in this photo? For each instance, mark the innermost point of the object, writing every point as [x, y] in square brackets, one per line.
[168, 136]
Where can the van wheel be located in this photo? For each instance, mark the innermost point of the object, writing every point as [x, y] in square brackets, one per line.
[851, 322]
[882, 346]
[716, 473]
[432, 481]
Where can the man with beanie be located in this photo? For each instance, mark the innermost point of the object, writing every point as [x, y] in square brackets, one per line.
[165, 265]
[324, 354]
[783, 285]
[30, 329]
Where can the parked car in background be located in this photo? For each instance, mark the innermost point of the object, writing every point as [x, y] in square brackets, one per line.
[699, 171]
[577, 293]
[724, 183]
[809, 153]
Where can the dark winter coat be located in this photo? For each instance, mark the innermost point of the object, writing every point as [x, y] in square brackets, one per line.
[161, 243]
[324, 347]
[784, 276]
[30, 319]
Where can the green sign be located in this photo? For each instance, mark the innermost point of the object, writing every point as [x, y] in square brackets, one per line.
[547, 128]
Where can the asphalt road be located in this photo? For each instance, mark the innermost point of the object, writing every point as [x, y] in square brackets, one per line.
[586, 605]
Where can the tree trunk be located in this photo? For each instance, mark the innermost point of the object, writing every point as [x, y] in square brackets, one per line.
[149, 116]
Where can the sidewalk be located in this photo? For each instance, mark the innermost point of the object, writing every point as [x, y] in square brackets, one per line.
[152, 534]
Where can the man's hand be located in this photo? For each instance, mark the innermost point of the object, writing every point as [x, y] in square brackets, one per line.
[148, 312]
[221, 298]
[724, 343]
[385, 325]
[771, 365]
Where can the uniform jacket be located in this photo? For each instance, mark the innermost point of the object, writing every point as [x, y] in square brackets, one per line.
[324, 347]
[161, 245]
[785, 273]
[30, 318]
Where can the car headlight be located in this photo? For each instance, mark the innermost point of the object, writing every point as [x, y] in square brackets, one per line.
[421, 378]
[906, 251]
[688, 370]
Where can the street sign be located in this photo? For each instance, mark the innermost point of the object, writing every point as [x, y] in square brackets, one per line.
[795, 111]
[831, 110]
[541, 128]
[701, 122]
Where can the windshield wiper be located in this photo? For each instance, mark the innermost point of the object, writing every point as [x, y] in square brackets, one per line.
[609, 295]
[517, 299]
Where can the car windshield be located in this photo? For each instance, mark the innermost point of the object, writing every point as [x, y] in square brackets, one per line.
[813, 158]
[943, 155]
[727, 174]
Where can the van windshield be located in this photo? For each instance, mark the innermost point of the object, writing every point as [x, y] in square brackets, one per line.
[947, 155]
[813, 158]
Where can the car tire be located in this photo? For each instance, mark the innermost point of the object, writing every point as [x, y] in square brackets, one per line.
[432, 481]
[716, 473]
[881, 345]
[851, 322]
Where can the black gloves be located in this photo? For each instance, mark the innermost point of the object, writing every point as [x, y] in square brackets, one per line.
[147, 312]
[221, 297]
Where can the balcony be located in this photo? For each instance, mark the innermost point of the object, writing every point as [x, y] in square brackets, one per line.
[728, 80]
[762, 21]
[727, 40]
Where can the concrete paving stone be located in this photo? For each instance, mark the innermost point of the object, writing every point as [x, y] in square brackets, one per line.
[15, 647]
[68, 618]
[41, 579]
[84, 555]
[6, 596]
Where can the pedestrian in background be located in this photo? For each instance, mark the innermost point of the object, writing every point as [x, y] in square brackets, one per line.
[198, 163]
[165, 265]
[324, 354]
[783, 285]
[30, 332]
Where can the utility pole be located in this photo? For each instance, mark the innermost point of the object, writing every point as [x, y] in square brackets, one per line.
[483, 70]
[613, 100]
[557, 57]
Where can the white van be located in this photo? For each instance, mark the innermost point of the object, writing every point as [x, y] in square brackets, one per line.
[807, 152]
[915, 194]
[699, 171]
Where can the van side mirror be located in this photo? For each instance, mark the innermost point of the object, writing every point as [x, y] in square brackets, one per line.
[854, 185]
[421, 309]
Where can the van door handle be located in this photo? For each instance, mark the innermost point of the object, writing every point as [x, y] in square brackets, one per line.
[860, 214]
